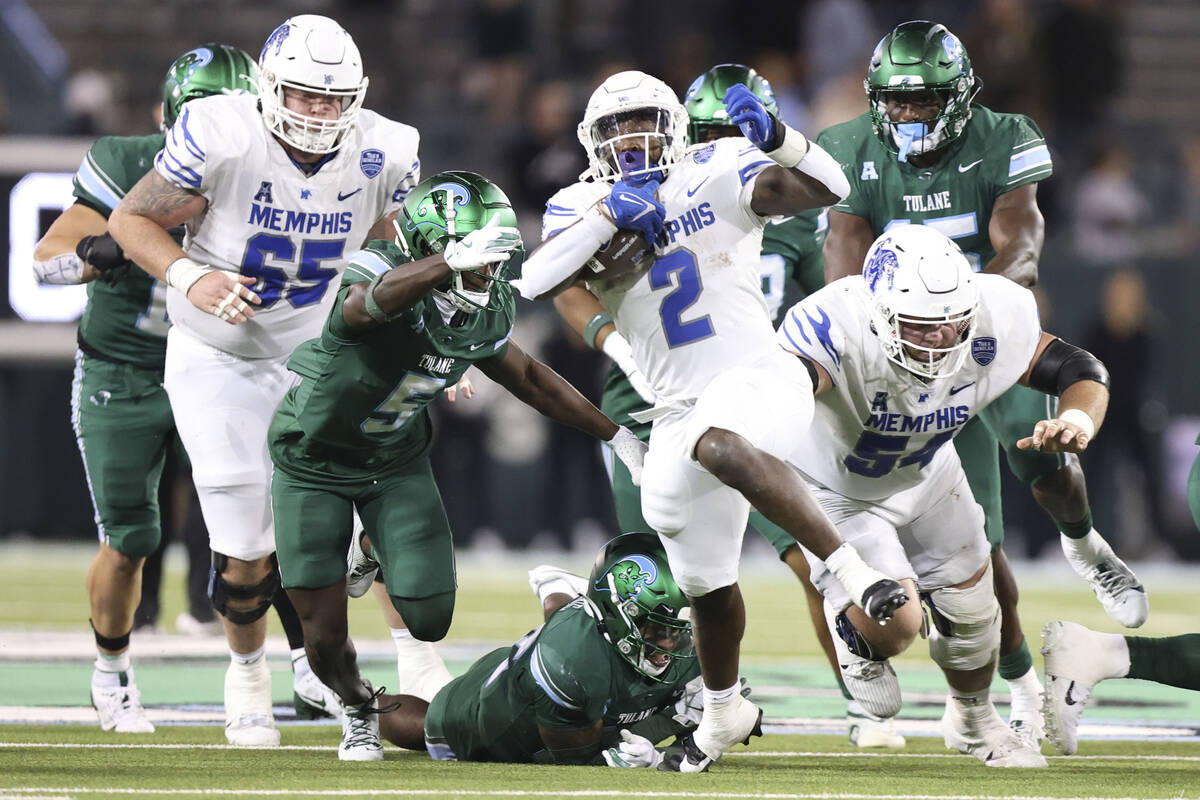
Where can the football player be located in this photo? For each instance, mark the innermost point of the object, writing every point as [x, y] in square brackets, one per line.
[410, 317]
[791, 260]
[925, 153]
[122, 417]
[730, 404]
[275, 192]
[610, 673]
[906, 354]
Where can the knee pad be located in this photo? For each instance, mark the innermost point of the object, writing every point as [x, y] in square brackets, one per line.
[965, 633]
[221, 592]
[428, 618]
[666, 505]
[135, 541]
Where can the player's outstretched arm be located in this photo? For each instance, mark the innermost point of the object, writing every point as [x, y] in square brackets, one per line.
[1017, 231]
[556, 262]
[55, 260]
[846, 245]
[1080, 380]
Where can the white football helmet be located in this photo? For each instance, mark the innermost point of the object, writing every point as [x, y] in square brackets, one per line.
[313, 54]
[625, 96]
[916, 276]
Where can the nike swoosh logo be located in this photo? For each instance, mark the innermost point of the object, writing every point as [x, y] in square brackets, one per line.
[695, 189]
[1071, 701]
[965, 168]
[351, 194]
[956, 389]
[476, 346]
[633, 198]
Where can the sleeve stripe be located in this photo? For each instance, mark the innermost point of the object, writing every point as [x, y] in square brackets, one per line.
[750, 170]
[94, 183]
[189, 142]
[508, 336]
[1029, 160]
[368, 263]
[539, 675]
[547, 234]
[192, 180]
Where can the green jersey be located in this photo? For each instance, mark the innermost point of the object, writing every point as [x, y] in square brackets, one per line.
[127, 322]
[562, 675]
[364, 393]
[792, 266]
[996, 153]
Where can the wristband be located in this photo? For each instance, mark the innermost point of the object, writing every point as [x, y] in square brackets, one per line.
[593, 327]
[793, 148]
[373, 307]
[1077, 416]
[183, 272]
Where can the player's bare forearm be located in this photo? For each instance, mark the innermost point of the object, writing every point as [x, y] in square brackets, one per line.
[577, 306]
[1017, 231]
[846, 245]
[783, 192]
[579, 746]
[1089, 397]
[139, 223]
[384, 228]
[543, 389]
[64, 234]
[398, 291]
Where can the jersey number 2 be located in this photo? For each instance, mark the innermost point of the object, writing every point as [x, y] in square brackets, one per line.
[682, 265]
[273, 281]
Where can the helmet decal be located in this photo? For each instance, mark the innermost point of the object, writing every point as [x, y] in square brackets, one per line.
[881, 263]
[277, 38]
[953, 48]
[632, 574]
[194, 60]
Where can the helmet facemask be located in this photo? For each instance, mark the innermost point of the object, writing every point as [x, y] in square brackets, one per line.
[654, 637]
[634, 129]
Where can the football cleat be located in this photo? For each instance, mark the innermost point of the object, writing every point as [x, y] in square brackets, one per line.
[1076, 660]
[980, 731]
[313, 699]
[120, 707]
[248, 719]
[868, 731]
[708, 742]
[360, 731]
[1119, 591]
[871, 682]
[361, 568]
[546, 579]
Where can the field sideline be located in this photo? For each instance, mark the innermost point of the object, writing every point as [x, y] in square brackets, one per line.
[1140, 741]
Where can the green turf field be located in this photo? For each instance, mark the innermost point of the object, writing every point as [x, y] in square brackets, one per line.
[1140, 740]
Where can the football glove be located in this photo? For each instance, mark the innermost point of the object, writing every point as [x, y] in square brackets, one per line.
[633, 751]
[757, 123]
[690, 708]
[631, 450]
[617, 348]
[635, 208]
[490, 244]
[105, 256]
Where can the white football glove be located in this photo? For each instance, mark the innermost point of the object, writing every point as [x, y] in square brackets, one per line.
[690, 707]
[631, 450]
[634, 751]
[490, 244]
[617, 348]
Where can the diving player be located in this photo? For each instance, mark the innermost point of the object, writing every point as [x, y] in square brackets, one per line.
[410, 317]
[730, 404]
[924, 153]
[905, 355]
[275, 192]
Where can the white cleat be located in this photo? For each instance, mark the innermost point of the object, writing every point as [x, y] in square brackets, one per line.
[1076, 660]
[981, 732]
[873, 684]
[1119, 591]
[1028, 726]
[360, 733]
[717, 733]
[868, 731]
[120, 707]
[361, 568]
[313, 699]
[248, 718]
[547, 579]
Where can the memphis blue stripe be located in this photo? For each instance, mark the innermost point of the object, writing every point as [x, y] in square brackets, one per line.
[750, 170]
[1023, 162]
[749, 149]
[559, 211]
[539, 676]
[89, 180]
[188, 139]
[547, 234]
[182, 173]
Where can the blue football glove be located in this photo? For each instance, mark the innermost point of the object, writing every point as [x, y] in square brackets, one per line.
[748, 113]
[635, 208]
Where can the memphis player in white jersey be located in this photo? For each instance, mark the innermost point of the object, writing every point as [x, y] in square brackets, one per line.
[731, 404]
[275, 192]
[905, 355]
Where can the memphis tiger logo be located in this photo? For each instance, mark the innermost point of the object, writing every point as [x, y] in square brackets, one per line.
[277, 38]
[882, 264]
[371, 162]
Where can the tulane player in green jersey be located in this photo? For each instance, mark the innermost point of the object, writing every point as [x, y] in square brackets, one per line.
[122, 419]
[791, 269]
[610, 673]
[923, 153]
[410, 317]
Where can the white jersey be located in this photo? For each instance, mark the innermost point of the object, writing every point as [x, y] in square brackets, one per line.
[699, 308]
[269, 220]
[880, 430]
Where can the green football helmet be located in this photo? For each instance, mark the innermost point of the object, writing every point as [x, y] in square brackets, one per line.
[644, 613]
[705, 101]
[208, 69]
[920, 56]
[446, 208]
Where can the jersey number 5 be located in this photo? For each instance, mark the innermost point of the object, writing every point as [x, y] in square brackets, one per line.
[876, 454]
[273, 281]
[682, 265]
[412, 392]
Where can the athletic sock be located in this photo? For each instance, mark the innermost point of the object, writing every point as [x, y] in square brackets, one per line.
[1171, 660]
[1015, 664]
[246, 659]
[1076, 530]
